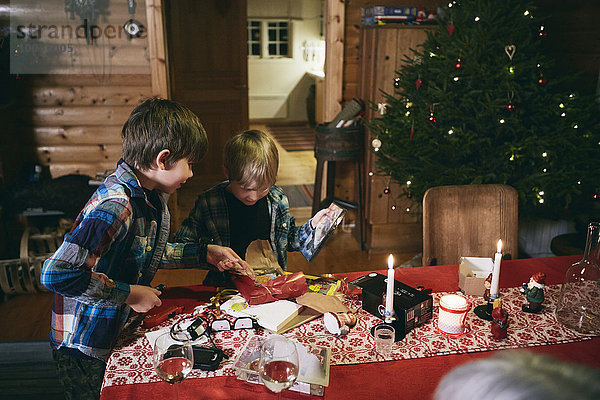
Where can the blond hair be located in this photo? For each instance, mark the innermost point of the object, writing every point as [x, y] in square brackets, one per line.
[252, 157]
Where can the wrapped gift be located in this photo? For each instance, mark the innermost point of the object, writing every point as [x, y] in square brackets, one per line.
[287, 286]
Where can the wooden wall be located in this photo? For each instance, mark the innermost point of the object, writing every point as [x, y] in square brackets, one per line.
[352, 37]
[69, 119]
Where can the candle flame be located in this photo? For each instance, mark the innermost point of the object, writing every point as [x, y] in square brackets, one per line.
[500, 246]
[391, 261]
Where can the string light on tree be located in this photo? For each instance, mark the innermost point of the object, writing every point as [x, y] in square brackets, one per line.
[493, 88]
[510, 107]
[542, 32]
[376, 143]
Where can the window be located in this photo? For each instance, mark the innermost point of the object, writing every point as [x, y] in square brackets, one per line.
[269, 38]
[254, 38]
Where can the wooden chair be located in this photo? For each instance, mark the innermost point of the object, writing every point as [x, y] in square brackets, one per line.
[467, 221]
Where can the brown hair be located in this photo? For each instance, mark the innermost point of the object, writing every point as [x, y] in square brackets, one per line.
[159, 124]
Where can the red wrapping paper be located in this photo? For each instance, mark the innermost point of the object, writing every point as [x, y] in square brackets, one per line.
[283, 287]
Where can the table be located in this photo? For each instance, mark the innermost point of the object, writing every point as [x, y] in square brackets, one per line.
[412, 378]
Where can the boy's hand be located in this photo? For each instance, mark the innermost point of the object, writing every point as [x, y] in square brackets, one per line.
[143, 298]
[318, 217]
[225, 259]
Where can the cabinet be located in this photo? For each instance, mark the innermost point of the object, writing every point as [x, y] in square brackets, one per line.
[389, 221]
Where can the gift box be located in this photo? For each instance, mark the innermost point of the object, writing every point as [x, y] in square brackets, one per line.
[472, 272]
[412, 307]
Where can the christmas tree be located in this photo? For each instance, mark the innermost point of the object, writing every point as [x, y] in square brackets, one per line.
[480, 102]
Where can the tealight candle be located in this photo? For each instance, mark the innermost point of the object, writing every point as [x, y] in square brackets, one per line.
[452, 314]
[496, 272]
[389, 295]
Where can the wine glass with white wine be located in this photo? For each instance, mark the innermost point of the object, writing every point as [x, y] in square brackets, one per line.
[278, 365]
[173, 360]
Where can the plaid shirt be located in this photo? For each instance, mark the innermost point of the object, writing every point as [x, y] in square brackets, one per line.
[208, 222]
[118, 239]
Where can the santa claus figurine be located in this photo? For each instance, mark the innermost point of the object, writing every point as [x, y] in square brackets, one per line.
[499, 321]
[534, 290]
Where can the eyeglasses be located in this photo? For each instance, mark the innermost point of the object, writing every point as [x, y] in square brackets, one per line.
[223, 324]
[194, 327]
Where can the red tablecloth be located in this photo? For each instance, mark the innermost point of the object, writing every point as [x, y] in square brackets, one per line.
[413, 378]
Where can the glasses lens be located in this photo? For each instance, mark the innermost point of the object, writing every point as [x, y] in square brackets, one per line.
[243, 323]
[219, 325]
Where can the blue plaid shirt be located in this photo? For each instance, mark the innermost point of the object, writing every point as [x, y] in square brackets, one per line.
[208, 223]
[118, 239]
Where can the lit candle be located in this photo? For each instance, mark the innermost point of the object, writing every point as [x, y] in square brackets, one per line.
[389, 296]
[496, 272]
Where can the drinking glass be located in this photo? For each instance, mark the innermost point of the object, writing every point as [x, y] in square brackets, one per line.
[384, 339]
[172, 360]
[278, 365]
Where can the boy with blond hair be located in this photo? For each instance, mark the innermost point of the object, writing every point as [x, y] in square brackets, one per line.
[247, 206]
[104, 267]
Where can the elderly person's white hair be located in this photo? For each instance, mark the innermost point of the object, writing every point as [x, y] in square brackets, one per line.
[520, 375]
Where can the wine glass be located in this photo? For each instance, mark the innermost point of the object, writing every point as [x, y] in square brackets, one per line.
[278, 365]
[173, 360]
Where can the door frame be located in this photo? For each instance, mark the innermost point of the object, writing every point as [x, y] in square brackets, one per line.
[334, 54]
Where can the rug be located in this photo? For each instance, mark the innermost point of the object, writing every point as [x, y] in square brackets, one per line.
[299, 195]
[297, 137]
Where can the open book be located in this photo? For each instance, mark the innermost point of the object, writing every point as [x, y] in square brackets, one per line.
[273, 316]
[325, 227]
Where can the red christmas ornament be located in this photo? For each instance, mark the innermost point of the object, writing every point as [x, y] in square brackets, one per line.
[541, 80]
[386, 190]
[450, 29]
[409, 195]
[458, 64]
[412, 132]
[419, 81]
[510, 107]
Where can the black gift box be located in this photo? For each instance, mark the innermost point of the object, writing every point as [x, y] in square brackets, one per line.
[412, 307]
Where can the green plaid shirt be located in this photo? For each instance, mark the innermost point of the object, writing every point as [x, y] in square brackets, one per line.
[208, 222]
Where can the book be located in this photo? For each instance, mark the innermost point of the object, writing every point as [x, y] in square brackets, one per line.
[329, 220]
[274, 316]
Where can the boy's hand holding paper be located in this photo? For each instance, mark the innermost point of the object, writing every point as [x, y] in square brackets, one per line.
[270, 283]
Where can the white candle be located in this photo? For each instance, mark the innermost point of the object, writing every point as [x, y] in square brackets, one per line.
[389, 296]
[496, 272]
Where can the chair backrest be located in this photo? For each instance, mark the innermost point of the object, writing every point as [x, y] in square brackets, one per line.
[467, 221]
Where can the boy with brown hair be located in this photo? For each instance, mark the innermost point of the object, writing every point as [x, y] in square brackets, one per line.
[105, 265]
[247, 206]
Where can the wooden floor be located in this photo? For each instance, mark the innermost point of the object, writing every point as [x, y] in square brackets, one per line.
[27, 317]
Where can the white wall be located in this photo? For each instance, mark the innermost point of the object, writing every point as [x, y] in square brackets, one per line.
[278, 87]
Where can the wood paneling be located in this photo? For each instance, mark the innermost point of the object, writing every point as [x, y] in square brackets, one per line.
[71, 122]
[77, 135]
[382, 54]
[88, 95]
[334, 51]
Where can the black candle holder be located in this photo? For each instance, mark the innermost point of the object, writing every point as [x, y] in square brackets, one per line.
[484, 311]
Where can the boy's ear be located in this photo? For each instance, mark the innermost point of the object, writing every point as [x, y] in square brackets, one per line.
[226, 173]
[161, 159]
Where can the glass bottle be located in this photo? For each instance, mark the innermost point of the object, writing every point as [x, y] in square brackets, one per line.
[578, 305]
